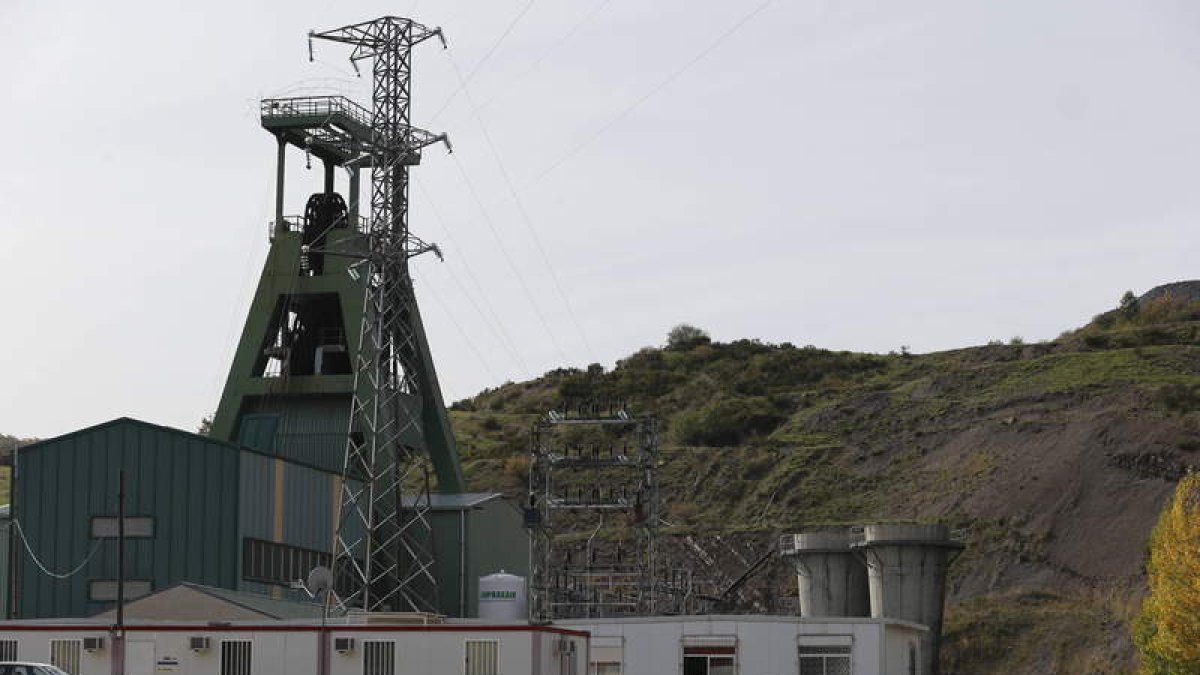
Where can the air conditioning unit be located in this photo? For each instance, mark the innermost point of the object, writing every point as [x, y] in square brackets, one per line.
[343, 645]
[199, 643]
[93, 644]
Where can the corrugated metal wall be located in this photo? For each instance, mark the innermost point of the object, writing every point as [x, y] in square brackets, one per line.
[491, 536]
[496, 540]
[309, 430]
[5, 542]
[284, 503]
[186, 483]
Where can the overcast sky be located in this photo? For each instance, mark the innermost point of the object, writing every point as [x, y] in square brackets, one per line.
[853, 175]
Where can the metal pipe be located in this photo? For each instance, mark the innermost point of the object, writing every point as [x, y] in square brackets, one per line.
[462, 563]
[13, 559]
[328, 177]
[279, 165]
[355, 175]
[119, 651]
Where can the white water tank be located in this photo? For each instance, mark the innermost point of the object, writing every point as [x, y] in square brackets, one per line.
[502, 597]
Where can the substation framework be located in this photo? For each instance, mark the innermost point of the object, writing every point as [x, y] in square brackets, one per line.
[383, 557]
[593, 516]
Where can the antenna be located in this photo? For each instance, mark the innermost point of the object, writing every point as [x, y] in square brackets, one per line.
[319, 581]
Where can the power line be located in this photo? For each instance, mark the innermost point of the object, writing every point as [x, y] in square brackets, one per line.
[508, 258]
[46, 570]
[509, 87]
[650, 94]
[470, 343]
[496, 45]
[498, 330]
[521, 208]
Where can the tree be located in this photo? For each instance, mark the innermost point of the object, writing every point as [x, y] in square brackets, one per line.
[1167, 632]
[1129, 305]
[686, 336]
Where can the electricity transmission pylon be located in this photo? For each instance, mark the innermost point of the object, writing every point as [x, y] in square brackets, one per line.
[383, 555]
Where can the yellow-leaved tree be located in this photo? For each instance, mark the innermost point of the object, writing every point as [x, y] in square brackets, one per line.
[1167, 631]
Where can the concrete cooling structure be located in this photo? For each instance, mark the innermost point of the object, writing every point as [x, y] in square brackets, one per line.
[830, 576]
[885, 571]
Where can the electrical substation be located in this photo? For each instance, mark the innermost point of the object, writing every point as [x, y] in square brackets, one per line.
[324, 524]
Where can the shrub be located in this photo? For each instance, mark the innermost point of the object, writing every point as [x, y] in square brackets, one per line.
[517, 468]
[685, 336]
[728, 422]
[1178, 397]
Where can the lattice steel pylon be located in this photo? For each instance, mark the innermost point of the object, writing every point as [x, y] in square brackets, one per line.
[593, 515]
[383, 556]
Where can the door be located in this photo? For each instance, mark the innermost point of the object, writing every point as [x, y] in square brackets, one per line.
[139, 658]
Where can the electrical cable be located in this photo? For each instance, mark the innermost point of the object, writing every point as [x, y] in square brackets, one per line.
[508, 258]
[510, 86]
[46, 570]
[479, 64]
[502, 335]
[523, 211]
[466, 338]
[662, 84]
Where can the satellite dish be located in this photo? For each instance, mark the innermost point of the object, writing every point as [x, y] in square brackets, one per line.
[320, 580]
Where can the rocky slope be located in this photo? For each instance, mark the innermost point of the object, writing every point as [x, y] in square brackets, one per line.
[1052, 459]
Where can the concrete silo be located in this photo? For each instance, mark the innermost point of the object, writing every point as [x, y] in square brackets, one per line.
[831, 578]
[906, 568]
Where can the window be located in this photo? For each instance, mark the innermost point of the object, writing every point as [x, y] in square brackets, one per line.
[379, 658]
[105, 590]
[8, 650]
[912, 659]
[235, 657]
[709, 660]
[482, 657]
[65, 654]
[607, 653]
[272, 563]
[817, 660]
[136, 527]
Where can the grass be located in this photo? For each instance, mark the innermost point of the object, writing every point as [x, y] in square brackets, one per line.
[1033, 632]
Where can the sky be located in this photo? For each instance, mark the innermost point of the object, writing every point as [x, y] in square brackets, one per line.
[848, 174]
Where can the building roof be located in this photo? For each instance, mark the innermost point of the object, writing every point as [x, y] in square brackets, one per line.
[129, 421]
[458, 502]
[737, 618]
[119, 421]
[187, 601]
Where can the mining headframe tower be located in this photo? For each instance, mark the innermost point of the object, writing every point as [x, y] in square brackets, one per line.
[369, 382]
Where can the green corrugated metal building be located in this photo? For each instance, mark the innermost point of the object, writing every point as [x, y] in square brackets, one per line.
[209, 512]
[5, 553]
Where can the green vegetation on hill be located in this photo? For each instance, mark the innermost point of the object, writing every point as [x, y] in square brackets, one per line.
[1052, 459]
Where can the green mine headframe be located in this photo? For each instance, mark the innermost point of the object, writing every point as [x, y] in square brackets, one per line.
[333, 367]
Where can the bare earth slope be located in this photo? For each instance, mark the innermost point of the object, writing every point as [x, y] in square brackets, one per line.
[1053, 459]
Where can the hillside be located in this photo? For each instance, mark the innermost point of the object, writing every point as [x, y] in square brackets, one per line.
[1054, 460]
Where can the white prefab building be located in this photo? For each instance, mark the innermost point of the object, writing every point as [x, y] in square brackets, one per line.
[751, 645]
[295, 648]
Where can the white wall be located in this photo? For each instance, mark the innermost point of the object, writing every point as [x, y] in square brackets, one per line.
[898, 639]
[292, 652]
[273, 653]
[765, 645]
